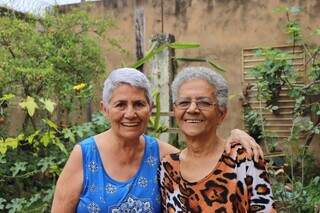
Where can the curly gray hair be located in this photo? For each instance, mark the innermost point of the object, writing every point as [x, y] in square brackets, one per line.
[129, 76]
[210, 75]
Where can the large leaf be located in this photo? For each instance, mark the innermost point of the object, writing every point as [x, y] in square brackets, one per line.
[48, 104]
[10, 143]
[30, 105]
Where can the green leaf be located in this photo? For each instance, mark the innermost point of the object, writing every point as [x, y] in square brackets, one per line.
[187, 59]
[212, 64]
[31, 137]
[68, 134]
[36, 197]
[10, 143]
[152, 121]
[158, 110]
[48, 195]
[295, 9]
[18, 167]
[60, 145]
[16, 205]
[48, 104]
[3, 147]
[317, 31]
[2, 158]
[7, 97]
[180, 45]
[46, 138]
[216, 66]
[2, 203]
[30, 105]
[281, 9]
[45, 163]
[51, 124]
[148, 55]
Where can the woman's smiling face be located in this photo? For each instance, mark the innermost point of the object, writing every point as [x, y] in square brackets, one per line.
[128, 111]
[202, 116]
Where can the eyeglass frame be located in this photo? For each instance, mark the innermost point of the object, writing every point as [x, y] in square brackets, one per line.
[197, 102]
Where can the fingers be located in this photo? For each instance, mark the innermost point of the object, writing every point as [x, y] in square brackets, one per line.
[256, 150]
[260, 152]
[228, 147]
[252, 148]
[230, 140]
[255, 154]
[249, 149]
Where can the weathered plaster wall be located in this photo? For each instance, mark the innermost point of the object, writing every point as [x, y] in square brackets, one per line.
[222, 27]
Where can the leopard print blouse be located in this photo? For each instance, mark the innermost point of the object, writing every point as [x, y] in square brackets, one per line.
[237, 184]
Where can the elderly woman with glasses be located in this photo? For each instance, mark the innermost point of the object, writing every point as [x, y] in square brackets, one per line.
[202, 177]
[116, 171]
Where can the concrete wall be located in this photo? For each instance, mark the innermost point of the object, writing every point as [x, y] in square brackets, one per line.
[222, 27]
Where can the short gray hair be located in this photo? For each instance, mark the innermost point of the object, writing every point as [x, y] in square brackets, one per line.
[129, 76]
[211, 76]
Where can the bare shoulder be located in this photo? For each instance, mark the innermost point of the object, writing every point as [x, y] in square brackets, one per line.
[69, 184]
[166, 148]
[75, 160]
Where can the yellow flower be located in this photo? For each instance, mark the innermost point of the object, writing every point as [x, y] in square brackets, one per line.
[79, 87]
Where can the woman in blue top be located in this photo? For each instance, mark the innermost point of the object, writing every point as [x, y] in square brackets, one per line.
[116, 171]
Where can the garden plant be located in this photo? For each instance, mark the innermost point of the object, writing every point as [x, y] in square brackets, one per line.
[296, 182]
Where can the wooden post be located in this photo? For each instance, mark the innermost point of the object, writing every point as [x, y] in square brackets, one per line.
[161, 76]
[139, 29]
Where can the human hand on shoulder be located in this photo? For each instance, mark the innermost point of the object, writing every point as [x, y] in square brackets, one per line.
[252, 148]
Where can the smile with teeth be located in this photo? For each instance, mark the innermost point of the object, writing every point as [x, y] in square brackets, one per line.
[131, 124]
[193, 120]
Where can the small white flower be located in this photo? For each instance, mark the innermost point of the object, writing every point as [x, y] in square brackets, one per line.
[143, 182]
[111, 188]
[93, 208]
[152, 161]
[93, 166]
[92, 188]
[146, 206]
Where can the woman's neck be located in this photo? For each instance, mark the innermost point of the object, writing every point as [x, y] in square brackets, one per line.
[200, 157]
[121, 158]
[125, 149]
[123, 143]
[202, 147]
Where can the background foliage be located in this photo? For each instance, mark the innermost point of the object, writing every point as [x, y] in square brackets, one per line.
[48, 67]
[296, 183]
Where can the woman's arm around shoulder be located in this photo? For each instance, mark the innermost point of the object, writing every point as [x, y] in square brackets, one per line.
[69, 184]
[261, 195]
[166, 148]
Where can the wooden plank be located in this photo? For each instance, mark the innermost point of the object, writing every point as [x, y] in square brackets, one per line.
[280, 125]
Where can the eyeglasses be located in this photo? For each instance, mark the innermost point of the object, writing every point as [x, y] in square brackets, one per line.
[204, 103]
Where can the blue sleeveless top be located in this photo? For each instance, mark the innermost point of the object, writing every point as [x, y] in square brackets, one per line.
[101, 193]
